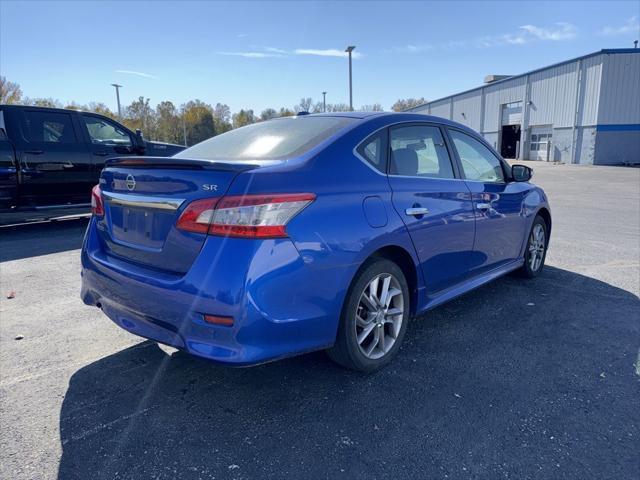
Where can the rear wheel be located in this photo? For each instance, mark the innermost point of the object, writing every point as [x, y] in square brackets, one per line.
[374, 318]
[536, 250]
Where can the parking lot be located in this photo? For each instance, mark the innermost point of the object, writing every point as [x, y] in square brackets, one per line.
[519, 379]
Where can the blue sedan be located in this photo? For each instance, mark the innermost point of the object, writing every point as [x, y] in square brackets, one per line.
[313, 232]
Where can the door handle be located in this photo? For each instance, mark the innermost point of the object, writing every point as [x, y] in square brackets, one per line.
[483, 206]
[416, 211]
[34, 152]
[101, 154]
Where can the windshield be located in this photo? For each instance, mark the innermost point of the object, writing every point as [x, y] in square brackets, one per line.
[280, 138]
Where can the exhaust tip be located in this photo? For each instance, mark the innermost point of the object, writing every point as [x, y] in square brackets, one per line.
[99, 305]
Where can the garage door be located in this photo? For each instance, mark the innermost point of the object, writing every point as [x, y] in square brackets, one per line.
[540, 145]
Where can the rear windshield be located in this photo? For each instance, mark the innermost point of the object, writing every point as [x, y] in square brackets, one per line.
[280, 138]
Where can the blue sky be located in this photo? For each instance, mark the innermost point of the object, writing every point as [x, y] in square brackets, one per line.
[270, 54]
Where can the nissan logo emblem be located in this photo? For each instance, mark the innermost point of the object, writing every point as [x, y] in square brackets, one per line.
[130, 182]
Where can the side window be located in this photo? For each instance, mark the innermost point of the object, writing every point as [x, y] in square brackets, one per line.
[478, 162]
[49, 127]
[419, 151]
[103, 132]
[373, 150]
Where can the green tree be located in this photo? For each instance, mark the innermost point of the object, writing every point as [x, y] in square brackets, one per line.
[75, 106]
[268, 114]
[242, 118]
[405, 103]
[42, 102]
[101, 109]
[10, 93]
[198, 121]
[168, 124]
[140, 115]
[222, 118]
[285, 112]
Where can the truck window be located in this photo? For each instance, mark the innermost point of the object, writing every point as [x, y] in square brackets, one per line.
[49, 127]
[104, 132]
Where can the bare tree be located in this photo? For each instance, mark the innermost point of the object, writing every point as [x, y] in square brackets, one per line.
[406, 103]
[375, 107]
[10, 92]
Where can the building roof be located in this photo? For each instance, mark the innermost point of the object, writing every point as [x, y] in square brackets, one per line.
[593, 54]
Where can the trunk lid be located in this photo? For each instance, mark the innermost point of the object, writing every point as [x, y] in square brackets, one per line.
[143, 199]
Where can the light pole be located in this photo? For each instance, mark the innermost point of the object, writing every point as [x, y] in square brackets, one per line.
[349, 50]
[324, 102]
[118, 87]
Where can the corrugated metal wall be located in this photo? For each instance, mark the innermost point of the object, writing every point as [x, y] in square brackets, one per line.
[466, 109]
[591, 73]
[441, 108]
[571, 98]
[620, 93]
[553, 96]
[497, 95]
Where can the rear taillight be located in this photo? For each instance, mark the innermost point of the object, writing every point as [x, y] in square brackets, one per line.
[248, 216]
[197, 216]
[97, 207]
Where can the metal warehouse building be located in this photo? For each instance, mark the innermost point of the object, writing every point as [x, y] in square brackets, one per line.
[585, 110]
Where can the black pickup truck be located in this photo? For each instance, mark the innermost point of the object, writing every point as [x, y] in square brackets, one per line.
[50, 158]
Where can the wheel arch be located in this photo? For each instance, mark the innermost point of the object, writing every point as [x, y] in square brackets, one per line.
[546, 216]
[401, 257]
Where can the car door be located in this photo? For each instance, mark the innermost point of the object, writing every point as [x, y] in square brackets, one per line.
[498, 202]
[55, 166]
[107, 139]
[434, 203]
[8, 170]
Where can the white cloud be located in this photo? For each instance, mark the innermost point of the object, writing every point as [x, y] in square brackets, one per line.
[525, 34]
[631, 25]
[242, 35]
[251, 54]
[274, 50]
[562, 31]
[139, 74]
[328, 52]
[410, 48]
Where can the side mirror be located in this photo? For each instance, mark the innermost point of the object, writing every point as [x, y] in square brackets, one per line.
[521, 173]
[140, 143]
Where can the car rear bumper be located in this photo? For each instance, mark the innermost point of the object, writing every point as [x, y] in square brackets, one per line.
[280, 306]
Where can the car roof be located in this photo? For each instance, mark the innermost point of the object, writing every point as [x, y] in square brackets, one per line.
[394, 117]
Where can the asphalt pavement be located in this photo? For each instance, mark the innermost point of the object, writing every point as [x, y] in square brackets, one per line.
[519, 379]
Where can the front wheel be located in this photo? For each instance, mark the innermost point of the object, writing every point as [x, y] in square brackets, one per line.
[374, 318]
[536, 250]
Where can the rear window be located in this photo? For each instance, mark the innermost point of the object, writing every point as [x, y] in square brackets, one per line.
[280, 138]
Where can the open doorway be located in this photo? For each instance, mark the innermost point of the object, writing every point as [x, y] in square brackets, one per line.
[510, 142]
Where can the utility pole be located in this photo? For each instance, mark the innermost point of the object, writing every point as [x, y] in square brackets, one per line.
[118, 87]
[349, 50]
[324, 101]
[184, 130]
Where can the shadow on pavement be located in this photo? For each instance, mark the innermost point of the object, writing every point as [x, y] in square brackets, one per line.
[35, 239]
[520, 379]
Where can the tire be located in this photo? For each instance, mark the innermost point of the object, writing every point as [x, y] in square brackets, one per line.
[531, 268]
[363, 313]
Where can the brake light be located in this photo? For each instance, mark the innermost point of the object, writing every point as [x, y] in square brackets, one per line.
[247, 216]
[97, 208]
[198, 215]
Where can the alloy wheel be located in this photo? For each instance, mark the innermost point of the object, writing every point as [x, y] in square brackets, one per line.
[536, 247]
[379, 316]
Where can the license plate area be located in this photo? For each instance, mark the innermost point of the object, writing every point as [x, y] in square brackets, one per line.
[143, 227]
